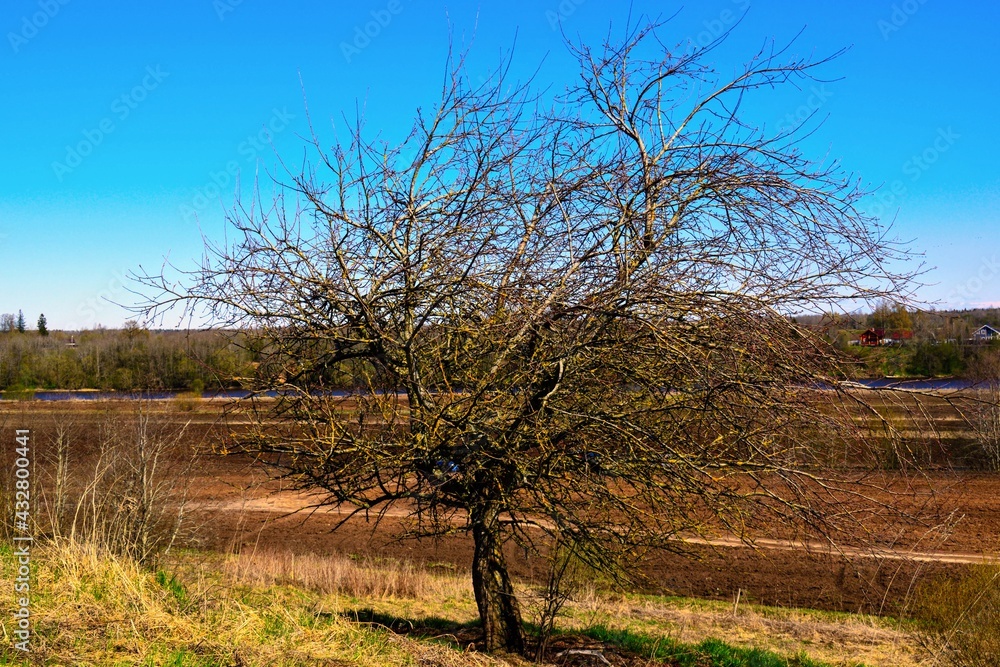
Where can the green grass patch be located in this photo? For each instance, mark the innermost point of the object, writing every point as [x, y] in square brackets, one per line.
[172, 586]
[709, 653]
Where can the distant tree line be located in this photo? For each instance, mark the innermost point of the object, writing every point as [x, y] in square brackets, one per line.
[136, 359]
[939, 343]
[129, 359]
[10, 323]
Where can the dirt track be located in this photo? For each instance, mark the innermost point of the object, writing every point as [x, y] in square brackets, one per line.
[287, 504]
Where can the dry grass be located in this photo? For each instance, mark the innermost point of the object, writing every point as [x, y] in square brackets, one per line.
[276, 608]
[369, 579]
[95, 609]
[960, 617]
[403, 590]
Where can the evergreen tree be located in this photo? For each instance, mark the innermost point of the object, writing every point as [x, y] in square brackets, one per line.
[43, 329]
[20, 322]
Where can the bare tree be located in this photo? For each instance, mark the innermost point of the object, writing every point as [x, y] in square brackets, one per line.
[559, 319]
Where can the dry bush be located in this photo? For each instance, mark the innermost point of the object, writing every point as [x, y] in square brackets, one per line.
[54, 480]
[961, 617]
[127, 497]
[6, 494]
[568, 579]
[186, 401]
[130, 507]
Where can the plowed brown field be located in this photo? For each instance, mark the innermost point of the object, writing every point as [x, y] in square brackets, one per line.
[233, 506]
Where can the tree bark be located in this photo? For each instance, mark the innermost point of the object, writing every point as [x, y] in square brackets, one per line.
[498, 608]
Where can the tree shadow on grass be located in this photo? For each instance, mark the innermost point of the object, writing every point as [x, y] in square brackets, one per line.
[427, 627]
[597, 645]
[568, 649]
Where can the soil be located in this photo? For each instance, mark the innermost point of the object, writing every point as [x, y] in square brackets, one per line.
[234, 508]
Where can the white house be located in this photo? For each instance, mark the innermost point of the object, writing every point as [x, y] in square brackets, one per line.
[985, 333]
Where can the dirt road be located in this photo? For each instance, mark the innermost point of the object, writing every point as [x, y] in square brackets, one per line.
[290, 504]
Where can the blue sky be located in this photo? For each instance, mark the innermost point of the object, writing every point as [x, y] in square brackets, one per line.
[125, 124]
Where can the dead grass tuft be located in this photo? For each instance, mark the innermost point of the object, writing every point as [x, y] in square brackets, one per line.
[379, 579]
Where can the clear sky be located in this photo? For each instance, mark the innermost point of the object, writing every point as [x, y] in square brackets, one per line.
[124, 123]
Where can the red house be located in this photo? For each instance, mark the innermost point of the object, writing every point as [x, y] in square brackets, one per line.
[872, 337]
[898, 336]
[877, 337]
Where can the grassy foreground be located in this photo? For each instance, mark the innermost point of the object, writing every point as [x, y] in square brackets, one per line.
[279, 609]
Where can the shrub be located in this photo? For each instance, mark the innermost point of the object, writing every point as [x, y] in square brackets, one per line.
[936, 359]
[18, 393]
[128, 498]
[960, 617]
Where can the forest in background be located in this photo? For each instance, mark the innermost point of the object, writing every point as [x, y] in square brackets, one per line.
[128, 359]
[137, 359]
[939, 342]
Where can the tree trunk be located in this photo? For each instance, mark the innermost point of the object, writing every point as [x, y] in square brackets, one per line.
[498, 608]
